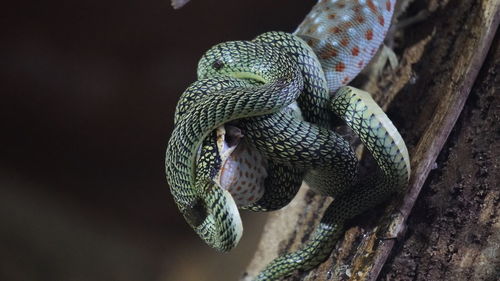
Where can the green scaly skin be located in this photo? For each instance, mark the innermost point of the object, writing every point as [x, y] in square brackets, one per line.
[245, 83]
[381, 138]
[210, 210]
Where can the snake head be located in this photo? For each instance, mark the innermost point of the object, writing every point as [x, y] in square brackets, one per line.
[242, 59]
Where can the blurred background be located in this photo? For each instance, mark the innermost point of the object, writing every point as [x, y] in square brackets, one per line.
[87, 95]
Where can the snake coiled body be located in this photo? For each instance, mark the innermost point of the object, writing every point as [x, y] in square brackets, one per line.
[279, 91]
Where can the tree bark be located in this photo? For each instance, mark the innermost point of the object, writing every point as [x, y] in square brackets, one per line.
[453, 232]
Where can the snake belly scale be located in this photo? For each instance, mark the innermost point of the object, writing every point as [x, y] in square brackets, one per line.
[257, 122]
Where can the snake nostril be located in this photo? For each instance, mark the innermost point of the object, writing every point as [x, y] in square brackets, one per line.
[217, 64]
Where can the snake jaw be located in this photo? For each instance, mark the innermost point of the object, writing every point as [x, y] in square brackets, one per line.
[227, 140]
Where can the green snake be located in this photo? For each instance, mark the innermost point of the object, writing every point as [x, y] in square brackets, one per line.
[258, 121]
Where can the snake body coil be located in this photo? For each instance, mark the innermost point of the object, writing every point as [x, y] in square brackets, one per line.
[264, 106]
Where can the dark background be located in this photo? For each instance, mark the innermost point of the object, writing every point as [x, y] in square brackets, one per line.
[88, 90]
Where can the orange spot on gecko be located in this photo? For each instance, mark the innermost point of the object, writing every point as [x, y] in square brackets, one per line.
[369, 34]
[388, 5]
[250, 198]
[361, 63]
[311, 42]
[335, 29]
[238, 188]
[331, 16]
[328, 52]
[344, 42]
[355, 51]
[371, 6]
[381, 20]
[340, 66]
[341, 5]
[345, 80]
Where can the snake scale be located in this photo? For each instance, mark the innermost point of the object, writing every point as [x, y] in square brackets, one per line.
[258, 121]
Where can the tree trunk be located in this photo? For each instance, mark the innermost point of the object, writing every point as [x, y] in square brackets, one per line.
[453, 231]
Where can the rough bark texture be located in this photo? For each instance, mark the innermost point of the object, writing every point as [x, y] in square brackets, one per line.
[453, 232]
[454, 229]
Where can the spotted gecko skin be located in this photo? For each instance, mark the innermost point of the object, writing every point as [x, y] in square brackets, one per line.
[345, 34]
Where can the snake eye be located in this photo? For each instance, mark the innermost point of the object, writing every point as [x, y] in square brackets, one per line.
[195, 213]
[217, 65]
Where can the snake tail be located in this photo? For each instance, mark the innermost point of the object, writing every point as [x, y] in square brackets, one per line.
[378, 134]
